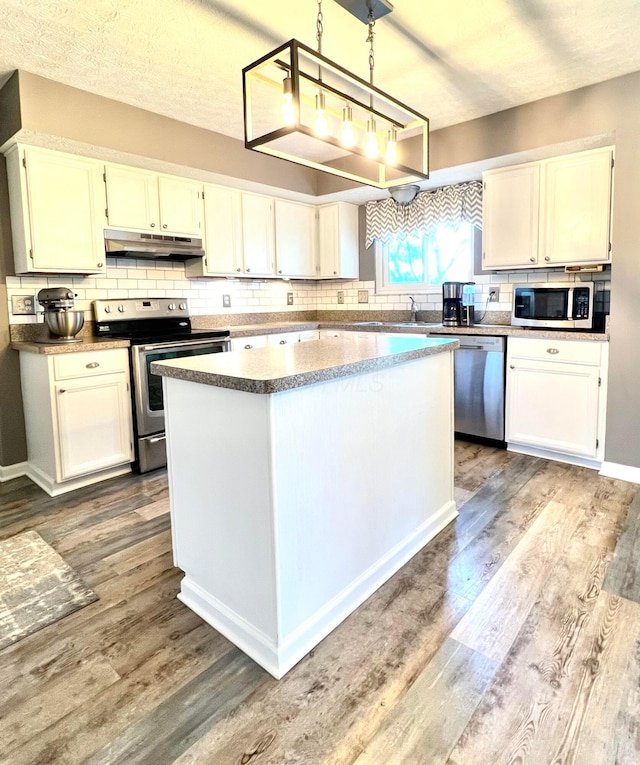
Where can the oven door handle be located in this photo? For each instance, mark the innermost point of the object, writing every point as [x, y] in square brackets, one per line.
[187, 344]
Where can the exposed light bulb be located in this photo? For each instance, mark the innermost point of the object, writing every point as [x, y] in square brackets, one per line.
[288, 109]
[371, 147]
[391, 154]
[320, 125]
[347, 138]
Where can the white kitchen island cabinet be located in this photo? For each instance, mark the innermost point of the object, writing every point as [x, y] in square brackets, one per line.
[349, 446]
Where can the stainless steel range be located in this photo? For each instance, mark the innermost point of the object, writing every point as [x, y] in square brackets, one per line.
[158, 329]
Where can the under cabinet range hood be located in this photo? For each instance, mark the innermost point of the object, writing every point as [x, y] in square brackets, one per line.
[152, 246]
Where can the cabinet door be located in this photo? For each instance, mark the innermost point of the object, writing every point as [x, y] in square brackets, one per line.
[132, 198]
[295, 237]
[66, 204]
[223, 230]
[94, 424]
[257, 235]
[510, 217]
[180, 205]
[576, 208]
[553, 406]
[328, 242]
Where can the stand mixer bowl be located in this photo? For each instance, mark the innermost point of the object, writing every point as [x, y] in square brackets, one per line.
[64, 324]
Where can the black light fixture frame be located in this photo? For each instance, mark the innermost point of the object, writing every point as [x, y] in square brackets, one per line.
[292, 69]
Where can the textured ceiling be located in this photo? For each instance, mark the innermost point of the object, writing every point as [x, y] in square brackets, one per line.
[452, 60]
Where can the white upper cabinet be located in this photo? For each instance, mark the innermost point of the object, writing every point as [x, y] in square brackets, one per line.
[551, 213]
[145, 201]
[57, 211]
[295, 227]
[510, 217]
[223, 234]
[132, 198]
[258, 235]
[576, 208]
[338, 241]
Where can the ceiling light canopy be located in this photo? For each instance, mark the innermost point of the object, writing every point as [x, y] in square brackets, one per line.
[305, 108]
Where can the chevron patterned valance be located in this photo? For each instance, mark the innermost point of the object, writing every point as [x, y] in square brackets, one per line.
[449, 205]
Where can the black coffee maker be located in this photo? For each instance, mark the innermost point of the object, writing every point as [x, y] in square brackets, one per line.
[452, 303]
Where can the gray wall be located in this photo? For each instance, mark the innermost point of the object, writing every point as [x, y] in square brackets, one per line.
[608, 108]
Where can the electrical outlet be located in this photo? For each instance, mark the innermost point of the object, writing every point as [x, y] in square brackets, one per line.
[289, 298]
[340, 297]
[494, 295]
[226, 301]
[363, 296]
[23, 305]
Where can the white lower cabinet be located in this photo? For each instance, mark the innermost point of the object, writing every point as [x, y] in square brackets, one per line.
[556, 396]
[78, 417]
[273, 338]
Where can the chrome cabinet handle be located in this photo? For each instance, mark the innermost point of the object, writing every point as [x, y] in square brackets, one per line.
[533, 260]
[248, 269]
[62, 390]
[238, 269]
[100, 265]
[280, 271]
[164, 225]
[153, 225]
[547, 258]
[511, 366]
[283, 342]
[248, 346]
[553, 351]
[93, 365]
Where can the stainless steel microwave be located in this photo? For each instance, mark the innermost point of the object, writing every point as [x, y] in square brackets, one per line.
[554, 305]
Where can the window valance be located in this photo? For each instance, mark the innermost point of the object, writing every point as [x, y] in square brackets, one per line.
[448, 205]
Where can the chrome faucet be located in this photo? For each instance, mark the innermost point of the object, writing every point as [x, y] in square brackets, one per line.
[414, 310]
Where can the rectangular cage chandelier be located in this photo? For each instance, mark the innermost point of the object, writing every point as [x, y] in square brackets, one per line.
[305, 108]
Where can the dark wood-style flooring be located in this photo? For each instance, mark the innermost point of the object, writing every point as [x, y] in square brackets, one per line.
[513, 637]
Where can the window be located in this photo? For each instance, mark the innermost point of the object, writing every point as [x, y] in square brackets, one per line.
[421, 262]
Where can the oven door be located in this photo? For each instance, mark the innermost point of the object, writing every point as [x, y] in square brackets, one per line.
[147, 387]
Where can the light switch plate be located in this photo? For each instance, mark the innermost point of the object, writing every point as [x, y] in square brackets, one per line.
[363, 296]
[226, 301]
[341, 296]
[289, 298]
[23, 305]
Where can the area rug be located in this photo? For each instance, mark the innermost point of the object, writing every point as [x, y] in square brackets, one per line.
[37, 587]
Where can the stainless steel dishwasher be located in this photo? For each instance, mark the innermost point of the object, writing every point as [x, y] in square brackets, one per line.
[479, 383]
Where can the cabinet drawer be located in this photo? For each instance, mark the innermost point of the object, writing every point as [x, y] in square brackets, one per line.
[565, 351]
[83, 364]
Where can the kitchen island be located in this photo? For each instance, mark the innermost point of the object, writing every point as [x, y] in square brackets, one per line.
[302, 477]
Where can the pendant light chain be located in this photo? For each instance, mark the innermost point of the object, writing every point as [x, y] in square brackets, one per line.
[371, 24]
[319, 28]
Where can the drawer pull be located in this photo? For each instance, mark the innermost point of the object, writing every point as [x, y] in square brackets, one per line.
[93, 365]
[62, 390]
[553, 351]
[511, 366]
[248, 347]
[283, 342]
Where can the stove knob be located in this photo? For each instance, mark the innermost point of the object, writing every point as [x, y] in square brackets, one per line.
[172, 306]
[107, 309]
[121, 308]
[183, 306]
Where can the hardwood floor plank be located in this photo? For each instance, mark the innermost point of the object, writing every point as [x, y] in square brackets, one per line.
[427, 722]
[491, 625]
[77, 736]
[524, 714]
[153, 510]
[142, 552]
[176, 723]
[623, 576]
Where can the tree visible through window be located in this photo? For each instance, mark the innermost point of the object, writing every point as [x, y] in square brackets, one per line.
[425, 261]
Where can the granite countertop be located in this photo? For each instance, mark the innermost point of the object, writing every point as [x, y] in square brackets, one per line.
[89, 343]
[274, 369]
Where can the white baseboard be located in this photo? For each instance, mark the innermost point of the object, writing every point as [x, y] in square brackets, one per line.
[622, 472]
[569, 459]
[8, 472]
[54, 489]
[279, 658]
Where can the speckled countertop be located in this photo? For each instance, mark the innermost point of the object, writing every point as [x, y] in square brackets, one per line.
[275, 369]
[85, 344]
